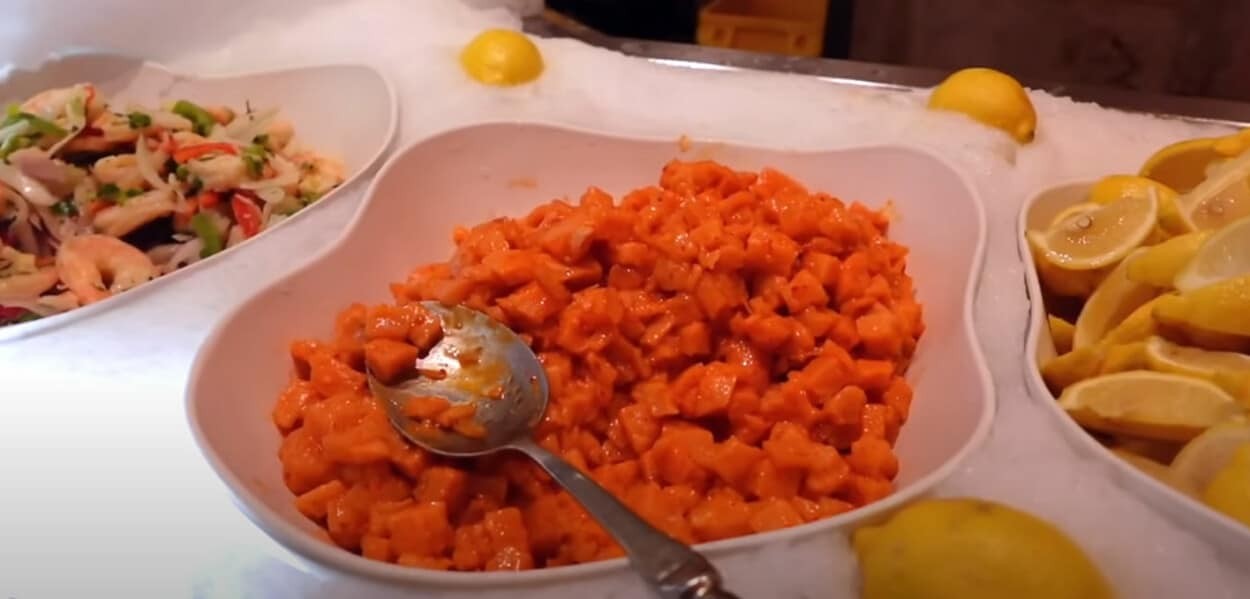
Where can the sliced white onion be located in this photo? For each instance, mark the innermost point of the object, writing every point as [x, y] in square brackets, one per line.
[26, 186]
[235, 236]
[245, 128]
[143, 160]
[186, 255]
[271, 195]
[274, 220]
[168, 120]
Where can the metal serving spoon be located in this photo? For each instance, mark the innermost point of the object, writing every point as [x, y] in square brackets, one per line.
[506, 382]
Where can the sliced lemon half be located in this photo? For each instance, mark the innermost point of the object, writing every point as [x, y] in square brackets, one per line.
[1099, 238]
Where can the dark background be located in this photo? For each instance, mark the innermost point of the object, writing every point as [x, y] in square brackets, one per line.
[675, 20]
[1179, 47]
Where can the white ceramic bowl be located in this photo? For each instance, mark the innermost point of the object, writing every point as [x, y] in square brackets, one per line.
[1224, 532]
[469, 175]
[346, 111]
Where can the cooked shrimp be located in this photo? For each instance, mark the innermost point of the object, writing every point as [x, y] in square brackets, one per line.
[318, 174]
[50, 104]
[120, 219]
[222, 114]
[121, 170]
[278, 134]
[96, 267]
[21, 278]
[224, 171]
[109, 130]
[29, 285]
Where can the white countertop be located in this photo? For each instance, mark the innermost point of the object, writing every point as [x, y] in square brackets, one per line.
[103, 493]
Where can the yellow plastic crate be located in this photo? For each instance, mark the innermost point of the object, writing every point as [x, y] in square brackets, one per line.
[794, 27]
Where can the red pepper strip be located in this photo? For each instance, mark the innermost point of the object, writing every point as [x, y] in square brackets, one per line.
[8, 313]
[189, 153]
[246, 214]
[208, 199]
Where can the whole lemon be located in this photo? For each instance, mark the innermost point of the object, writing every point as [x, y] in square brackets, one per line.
[972, 549]
[992, 97]
[502, 57]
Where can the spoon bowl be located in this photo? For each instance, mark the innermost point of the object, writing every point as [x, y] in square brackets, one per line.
[502, 379]
[480, 362]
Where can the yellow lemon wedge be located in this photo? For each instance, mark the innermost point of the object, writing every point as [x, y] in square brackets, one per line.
[1073, 367]
[1139, 325]
[1159, 264]
[1061, 332]
[1101, 237]
[1201, 459]
[1062, 281]
[991, 97]
[502, 57]
[1155, 470]
[1153, 405]
[1116, 187]
[1222, 255]
[972, 549]
[1114, 301]
[1124, 357]
[1221, 198]
[1215, 366]
[1229, 491]
[1223, 307]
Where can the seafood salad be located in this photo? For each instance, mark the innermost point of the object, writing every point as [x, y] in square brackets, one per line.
[97, 198]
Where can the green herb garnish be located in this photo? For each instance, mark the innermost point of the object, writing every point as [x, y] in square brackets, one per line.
[130, 193]
[204, 228]
[65, 208]
[181, 172]
[195, 186]
[254, 157]
[109, 192]
[261, 140]
[139, 120]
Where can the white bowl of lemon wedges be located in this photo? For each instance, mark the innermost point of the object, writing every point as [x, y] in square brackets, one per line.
[1140, 327]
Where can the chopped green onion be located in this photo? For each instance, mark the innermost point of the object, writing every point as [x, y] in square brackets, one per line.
[41, 126]
[310, 197]
[204, 228]
[130, 193]
[195, 187]
[109, 192]
[261, 140]
[27, 317]
[202, 122]
[182, 172]
[139, 120]
[65, 208]
[11, 110]
[254, 157]
[14, 144]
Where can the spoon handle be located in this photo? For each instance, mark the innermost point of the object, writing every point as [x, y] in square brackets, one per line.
[672, 569]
